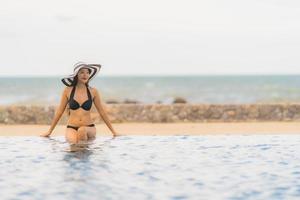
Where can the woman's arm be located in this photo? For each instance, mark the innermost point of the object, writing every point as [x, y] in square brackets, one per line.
[102, 112]
[58, 113]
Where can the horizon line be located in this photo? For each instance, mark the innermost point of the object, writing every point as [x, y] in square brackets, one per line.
[162, 75]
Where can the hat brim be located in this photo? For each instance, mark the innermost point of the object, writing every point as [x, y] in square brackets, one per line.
[95, 68]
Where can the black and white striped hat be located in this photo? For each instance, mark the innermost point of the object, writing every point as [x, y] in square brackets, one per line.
[94, 69]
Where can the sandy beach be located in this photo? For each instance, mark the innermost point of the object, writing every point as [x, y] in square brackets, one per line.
[165, 128]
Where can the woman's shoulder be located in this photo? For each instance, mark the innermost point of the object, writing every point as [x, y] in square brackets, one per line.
[93, 89]
[67, 89]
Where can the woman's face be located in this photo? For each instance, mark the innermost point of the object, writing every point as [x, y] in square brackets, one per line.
[83, 75]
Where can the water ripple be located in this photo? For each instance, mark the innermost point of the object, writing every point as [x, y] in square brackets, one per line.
[152, 167]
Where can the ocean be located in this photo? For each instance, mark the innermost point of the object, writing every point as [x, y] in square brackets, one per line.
[159, 89]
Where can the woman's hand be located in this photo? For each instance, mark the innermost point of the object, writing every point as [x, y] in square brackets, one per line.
[45, 134]
[114, 134]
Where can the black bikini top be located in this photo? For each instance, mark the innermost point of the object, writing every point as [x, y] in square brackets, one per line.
[74, 105]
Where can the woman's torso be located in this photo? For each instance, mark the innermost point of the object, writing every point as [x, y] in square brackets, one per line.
[80, 116]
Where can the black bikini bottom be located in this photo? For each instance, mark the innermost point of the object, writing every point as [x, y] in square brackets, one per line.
[76, 128]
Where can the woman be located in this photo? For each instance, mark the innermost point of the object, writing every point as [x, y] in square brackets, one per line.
[80, 96]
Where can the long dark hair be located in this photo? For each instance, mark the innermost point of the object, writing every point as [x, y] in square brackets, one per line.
[74, 83]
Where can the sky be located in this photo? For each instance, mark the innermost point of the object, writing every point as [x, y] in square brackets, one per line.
[158, 37]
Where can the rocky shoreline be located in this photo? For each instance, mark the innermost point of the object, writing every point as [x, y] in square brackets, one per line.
[159, 113]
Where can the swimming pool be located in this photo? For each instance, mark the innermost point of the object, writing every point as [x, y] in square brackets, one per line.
[152, 167]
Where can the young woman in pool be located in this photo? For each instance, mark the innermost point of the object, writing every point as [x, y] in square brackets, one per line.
[80, 96]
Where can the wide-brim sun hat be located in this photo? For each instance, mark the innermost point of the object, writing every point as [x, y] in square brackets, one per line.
[93, 68]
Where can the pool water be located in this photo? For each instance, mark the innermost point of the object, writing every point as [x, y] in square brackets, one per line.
[151, 167]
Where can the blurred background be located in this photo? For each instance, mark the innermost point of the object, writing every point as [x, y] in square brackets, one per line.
[152, 52]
